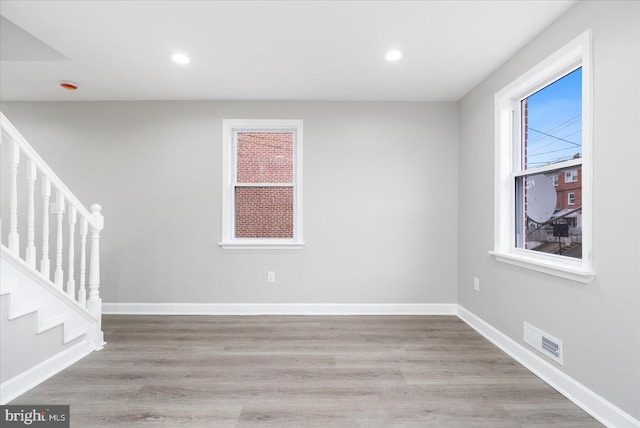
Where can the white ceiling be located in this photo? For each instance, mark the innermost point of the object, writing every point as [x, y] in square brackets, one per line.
[260, 50]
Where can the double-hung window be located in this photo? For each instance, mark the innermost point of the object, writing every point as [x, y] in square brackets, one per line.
[262, 184]
[543, 166]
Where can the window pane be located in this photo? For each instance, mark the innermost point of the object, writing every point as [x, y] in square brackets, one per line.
[551, 221]
[552, 122]
[264, 212]
[264, 157]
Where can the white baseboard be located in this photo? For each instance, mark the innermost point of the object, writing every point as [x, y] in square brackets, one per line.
[602, 410]
[278, 309]
[28, 379]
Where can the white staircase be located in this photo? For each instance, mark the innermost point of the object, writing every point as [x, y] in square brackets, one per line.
[65, 320]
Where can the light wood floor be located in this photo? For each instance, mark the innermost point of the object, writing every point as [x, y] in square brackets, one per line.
[281, 371]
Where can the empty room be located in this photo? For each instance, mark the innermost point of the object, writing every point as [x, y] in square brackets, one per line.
[320, 213]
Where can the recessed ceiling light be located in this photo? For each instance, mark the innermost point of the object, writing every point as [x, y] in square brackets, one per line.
[393, 55]
[180, 58]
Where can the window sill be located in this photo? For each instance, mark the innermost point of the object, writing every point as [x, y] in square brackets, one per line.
[550, 267]
[261, 245]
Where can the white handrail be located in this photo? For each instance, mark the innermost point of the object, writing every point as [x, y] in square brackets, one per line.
[10, 132]
[66, 204]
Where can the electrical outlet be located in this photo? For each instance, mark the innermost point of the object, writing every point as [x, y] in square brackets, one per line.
[476, 284]
[271, 277]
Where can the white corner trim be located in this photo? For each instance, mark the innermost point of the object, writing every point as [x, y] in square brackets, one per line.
[592, 403]
[278, 309]
[18, 385]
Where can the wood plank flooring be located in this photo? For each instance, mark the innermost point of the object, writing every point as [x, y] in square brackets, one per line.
[288, 371]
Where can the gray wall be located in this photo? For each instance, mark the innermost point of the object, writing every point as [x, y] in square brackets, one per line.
[599, 322]
[380, 199]
[385, 184]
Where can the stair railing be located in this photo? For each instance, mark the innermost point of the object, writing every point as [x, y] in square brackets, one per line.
[89, 223]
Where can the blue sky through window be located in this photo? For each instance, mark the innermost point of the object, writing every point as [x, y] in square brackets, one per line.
[555, 122]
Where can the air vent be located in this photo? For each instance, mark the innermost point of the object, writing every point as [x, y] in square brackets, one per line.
[543, 343]
[550, 346]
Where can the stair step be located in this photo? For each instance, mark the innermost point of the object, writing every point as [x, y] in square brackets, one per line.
[7, 286]
[72, 334]
[28, 292]
[44, 321]
[16, 311]
[49, 323]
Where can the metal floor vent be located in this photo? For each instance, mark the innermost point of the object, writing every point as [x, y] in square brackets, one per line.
[543, 343]
[550, 346]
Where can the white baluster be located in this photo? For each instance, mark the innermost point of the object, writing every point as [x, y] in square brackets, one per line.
[71, 282]
[94, 302]
[45, 268]
[31, 214]
[82, 292]
[59, 274]
[14, 238]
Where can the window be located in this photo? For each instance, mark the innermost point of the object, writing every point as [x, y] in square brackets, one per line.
[262, 184]
[571, 176]
[543, 131]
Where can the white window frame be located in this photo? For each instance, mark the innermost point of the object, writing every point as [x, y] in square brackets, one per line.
[571, 176]
[555, 180]
[571, 198]
[229, 154]
[577, 53]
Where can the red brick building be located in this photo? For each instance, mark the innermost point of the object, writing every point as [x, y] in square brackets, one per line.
[568, 184]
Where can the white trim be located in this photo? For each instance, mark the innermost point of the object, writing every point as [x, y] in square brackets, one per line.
[552, 167]
[507, 167]
[229, 127]
[279, 309]
[18, 385]
[45, 284]
[267, 244]
[545, 263]
[592, 403]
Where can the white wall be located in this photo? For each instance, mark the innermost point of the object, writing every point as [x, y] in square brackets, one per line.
[599, 322]
[380, 199]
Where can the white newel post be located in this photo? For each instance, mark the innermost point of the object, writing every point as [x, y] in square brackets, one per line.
[71, 282]
[94, 302]
[31, 214]
[82, 292]
[45, 268]
[59, 274]
[14, 239]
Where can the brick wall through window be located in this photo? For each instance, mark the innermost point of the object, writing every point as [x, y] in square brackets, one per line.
[264, 211]
[265, 157]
